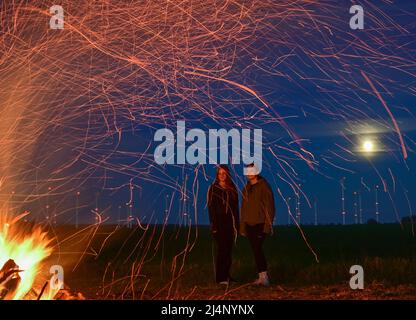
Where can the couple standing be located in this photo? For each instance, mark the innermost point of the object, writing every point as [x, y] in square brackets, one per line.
[257, 214]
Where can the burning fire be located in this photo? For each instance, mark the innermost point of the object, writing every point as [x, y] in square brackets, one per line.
[21, 254]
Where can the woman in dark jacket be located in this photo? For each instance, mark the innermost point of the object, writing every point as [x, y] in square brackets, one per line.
[224, 218]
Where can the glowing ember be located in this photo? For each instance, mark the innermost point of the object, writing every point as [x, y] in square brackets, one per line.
[27, 251]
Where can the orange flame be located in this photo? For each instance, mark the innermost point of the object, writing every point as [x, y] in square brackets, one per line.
[27, 250]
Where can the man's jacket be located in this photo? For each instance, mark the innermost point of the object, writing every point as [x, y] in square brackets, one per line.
[257, 206]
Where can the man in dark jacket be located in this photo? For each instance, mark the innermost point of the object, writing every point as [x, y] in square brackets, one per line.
[257, 215]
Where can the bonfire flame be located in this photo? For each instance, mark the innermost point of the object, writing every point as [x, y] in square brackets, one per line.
[21, 254]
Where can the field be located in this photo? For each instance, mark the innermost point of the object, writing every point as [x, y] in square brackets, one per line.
[177, 262]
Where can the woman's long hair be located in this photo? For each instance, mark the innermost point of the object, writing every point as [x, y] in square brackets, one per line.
[229, 181]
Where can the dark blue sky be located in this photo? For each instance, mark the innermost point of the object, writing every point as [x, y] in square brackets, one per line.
[307, 72]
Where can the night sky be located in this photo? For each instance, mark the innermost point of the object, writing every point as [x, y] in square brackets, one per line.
[303, 77]
[307, 106]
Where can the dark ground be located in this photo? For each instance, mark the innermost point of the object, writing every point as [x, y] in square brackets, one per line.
[177, 262]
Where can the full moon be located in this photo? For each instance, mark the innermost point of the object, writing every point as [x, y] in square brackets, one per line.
[368, 146]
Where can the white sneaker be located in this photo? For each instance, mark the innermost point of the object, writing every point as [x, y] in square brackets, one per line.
[224, 283]
[263, 279]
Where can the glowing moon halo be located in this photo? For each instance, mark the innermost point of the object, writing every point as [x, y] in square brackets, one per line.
[368, 146]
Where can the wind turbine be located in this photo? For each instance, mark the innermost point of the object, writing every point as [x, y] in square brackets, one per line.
[376, 204]
[343, 199]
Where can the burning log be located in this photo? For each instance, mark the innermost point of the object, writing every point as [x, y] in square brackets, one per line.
[9, 279]
[66, 294]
